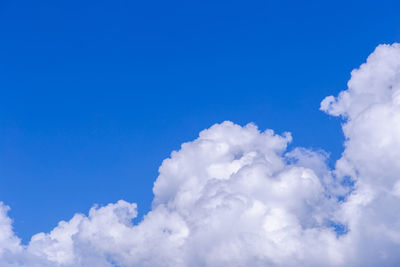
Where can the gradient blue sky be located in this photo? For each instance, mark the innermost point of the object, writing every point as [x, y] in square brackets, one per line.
[95, 94]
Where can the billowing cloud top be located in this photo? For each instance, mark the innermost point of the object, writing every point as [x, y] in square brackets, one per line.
[236, 197]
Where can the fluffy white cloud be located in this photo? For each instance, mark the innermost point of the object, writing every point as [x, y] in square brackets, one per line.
[232, 197]
[236, 197]
[371, 108]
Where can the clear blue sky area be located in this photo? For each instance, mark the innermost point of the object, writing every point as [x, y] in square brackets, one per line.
[95, 94]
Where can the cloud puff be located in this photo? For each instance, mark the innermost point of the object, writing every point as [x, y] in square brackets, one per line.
[371, 108]
[236, 197]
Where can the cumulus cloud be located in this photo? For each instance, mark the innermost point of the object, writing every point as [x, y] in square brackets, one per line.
[371, 108]
[236, 196]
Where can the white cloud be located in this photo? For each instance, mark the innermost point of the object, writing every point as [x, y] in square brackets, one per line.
[236, 197]
[8, 242]
[371, 157]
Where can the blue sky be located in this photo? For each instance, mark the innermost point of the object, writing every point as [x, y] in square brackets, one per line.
[95, 94]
